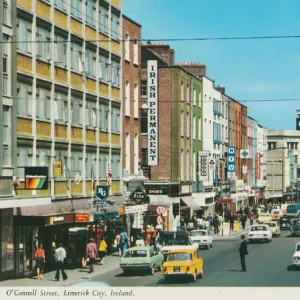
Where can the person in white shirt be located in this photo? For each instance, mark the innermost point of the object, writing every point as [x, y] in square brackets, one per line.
[60, 255]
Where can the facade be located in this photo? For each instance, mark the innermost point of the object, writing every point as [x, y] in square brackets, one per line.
[68, 118]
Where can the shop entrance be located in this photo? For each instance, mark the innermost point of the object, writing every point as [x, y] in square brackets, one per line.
[26, 245]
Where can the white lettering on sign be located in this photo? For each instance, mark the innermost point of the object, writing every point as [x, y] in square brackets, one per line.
[152, 114]
[135, 209]
[58, 219]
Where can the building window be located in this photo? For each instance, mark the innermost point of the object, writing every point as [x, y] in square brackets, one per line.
[136, 101]
[136, 52]
[182, 123]
[103, 68]
[61, 4]
[43, 109]
[62, 156]
[90, 12]
[200, 99]
[115, 73]
[144, 156]
[6, 90]
[127, 98]
[188, 167]
[188, 94]
[76, 162]
[104, 112]
[188, 125]
[76, 8]
[115, 119]
[194, 97]
[115, 26]
[60, 47]
[182, 91]
[144, 90]
[76, 57]
[61, 109]
[127, 151]
[43, 44]
[24, 99]
[24, 35]
[76, 108]
[115, 166]
[90, 159]
[24, 158]
[194, 167]
[127, 47]
[103, 16]
[6, 13]
[199, 129]
[182, 165]
[90, 62]
[43, 157]
[144, 121]
[136, 154]
[90, 114]
[6, 139]
[103, 158]
[194, 127]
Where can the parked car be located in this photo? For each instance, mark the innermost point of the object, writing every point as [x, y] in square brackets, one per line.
[285, 222]
[296, 256]
[264, 217]
[183, 263]
[176, 241]
[141, 258]
[283, 208]
[201, 237]
[260, 233]
[274, 227]
[295, 229]
[276, 214]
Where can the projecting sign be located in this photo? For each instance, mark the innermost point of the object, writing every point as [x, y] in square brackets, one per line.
[257, 165]
[152, 113]
[203, 166]
[139, 196]
[36, 178]
[231, 162]
[244, 153]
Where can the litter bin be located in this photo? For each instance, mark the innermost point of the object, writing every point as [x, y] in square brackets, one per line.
[236, 226]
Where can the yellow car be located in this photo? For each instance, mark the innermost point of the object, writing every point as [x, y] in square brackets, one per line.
[183, 263]
[275, 228]
[264, 217]
[276, 214]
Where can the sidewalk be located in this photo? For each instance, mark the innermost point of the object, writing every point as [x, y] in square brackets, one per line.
[77, 275]
[233, 235]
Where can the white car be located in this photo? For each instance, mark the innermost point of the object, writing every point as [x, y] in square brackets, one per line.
[201, 237]
[260, 233]
[296, 256]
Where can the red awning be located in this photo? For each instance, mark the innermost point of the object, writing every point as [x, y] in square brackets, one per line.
[225, 201]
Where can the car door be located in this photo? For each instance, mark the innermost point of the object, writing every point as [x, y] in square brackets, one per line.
[199, 262]
[152, 257]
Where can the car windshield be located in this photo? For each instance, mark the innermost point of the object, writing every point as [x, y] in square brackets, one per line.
[275, 212]
[298, 247]
[180, 257]
[296, 226]
[135, 253]
[172, 242]
[196, 233]
[258, 228]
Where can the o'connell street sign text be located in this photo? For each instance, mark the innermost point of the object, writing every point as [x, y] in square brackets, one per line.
[152, 114]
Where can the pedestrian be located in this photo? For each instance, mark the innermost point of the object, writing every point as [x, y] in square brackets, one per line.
[91, 254]
[124, 241]
[109, 240]
[148, 235]
[243, 221]
[140, 238]
[40, 261]
[231, 222]
[243, 252]
[216, 224]
[83, 253]
[60, 255]
[102, 249]
[117, 243]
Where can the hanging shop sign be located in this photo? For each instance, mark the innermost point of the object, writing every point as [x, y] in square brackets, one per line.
[60, 219]
[57, 168]
[106, 215]
[257, 165]
[231, 160]
[152, 113]
[102, 192]
[157, 189]
[135, 208]
[139, 196]
[221, 169]
[36, 178]
[82, 217]
[203, 170]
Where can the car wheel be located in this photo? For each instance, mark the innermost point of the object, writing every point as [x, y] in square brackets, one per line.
[152, 270]
[201, 274]
[160, 268]
[195, 276]
[211, 245]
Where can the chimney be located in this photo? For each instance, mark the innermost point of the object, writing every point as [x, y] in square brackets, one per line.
[196, 69]
[221, 89]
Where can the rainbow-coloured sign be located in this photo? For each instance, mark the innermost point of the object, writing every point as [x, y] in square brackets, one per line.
[36, 178]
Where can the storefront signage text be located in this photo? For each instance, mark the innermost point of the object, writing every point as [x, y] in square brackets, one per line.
[82, 218]
[157, 190]
[257, 165]
[139, 196]
[135, 209]
[36, 178]
[209, 200]
[152, 114]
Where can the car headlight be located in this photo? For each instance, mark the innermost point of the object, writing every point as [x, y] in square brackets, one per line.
[296, 258]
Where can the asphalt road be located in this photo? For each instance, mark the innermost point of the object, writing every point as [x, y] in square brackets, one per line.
[267, 265]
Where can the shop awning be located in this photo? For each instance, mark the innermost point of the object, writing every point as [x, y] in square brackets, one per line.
[18, 201]
[191, 202]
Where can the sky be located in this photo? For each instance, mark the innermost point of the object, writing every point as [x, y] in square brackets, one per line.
[266, 69]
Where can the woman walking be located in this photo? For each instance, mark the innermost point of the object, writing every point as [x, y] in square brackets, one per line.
[123, 241]
[91, 254]
[102, 249]
[40, 261]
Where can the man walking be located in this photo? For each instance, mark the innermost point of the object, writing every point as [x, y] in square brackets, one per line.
[60, 255]
[243, 252]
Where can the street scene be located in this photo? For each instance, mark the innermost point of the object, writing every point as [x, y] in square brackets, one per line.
[150, 143]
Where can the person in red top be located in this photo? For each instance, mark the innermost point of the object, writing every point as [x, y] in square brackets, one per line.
[91, 253]
[40, 261]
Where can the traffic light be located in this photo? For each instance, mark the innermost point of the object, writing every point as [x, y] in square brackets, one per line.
[176, 209]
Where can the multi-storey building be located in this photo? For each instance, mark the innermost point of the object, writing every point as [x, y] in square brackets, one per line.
[68, 114]
[250, 161]
[262, 148]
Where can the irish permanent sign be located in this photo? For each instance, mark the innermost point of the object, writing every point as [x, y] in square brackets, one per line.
[152, 113]
[36, 178]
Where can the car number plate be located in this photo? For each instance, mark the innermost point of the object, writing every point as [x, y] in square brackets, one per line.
[177, 269]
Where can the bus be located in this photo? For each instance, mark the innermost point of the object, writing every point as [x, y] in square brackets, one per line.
[293, 210]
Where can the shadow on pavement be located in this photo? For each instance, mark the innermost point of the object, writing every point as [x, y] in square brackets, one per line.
[233, 270]
[134, 273]
[174, 280]
[292, 268]
[84, 271]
